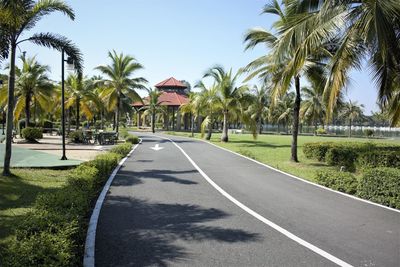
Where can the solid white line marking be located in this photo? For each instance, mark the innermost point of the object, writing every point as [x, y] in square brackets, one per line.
[260, 217]
[88, 259]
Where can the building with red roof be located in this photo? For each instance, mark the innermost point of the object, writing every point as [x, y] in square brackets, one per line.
[173, 96]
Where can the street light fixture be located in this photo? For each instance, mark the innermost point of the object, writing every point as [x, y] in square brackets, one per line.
[70, 62]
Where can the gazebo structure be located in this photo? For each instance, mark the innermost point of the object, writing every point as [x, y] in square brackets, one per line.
[173, 96]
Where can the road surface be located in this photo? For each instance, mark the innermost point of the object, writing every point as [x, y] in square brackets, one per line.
[162, 211]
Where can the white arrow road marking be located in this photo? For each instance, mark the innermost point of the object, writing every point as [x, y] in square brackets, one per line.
[157, 147]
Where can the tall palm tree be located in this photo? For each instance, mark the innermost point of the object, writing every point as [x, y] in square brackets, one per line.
[284, 109]
[153, 106]
[206, 106]
[352, 111]
[288, 59]
[16, 18]
[119, 84]
[259, 106]
[192, 108]
[80, 92]
[228, 96]
[32, 84]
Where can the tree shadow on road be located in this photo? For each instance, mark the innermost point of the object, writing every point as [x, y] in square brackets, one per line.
[126, 178]
[135, 232]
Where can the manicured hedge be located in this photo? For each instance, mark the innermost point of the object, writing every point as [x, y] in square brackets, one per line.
[122, 149]
[53, 233]
[378, 158]
[381, 185]
[347, 153]
[133, 139]
[341, 181]
[32, 134]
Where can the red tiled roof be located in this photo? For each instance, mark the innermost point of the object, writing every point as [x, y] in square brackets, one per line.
[170, 83]
[166, 99]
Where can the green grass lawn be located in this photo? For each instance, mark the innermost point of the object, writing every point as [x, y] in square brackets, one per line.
[274, 150]
[17, 194]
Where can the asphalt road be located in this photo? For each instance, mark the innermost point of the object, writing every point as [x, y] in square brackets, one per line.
[161, 211]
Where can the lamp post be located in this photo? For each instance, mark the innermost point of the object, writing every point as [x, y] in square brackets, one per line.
[69, 62]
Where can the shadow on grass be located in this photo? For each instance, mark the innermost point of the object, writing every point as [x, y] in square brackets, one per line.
[251, 143]
[15, 196]
[135, 232]
[126, 178]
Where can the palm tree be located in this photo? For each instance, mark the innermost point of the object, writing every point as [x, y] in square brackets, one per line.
[119, 84]
[228, 96]
[192, 108]
[288, 60]
[153, 106]
[81, 93]
[284, 109]
[258, 108]
[17, 17]
[352, 111]
[32, 84]
[205, 102]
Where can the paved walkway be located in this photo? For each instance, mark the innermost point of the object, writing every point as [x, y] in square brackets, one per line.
[161, 211]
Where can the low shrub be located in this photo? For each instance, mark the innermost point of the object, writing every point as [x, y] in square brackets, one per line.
[341, 181]
[123, 133]
[104, 163]
[133, 139]
[341, 156]
[369, 133]
[122, 149]
[76, 136]
[32, 134]
[378, 158]
[53, 232]
[381, 185]
[316, 150]
[320, 131]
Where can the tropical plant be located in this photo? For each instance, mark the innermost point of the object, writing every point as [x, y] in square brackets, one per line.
[205, 102]
[228, 94]
[16, 18]
[193, 108]
[32, 85]
[258, 109]
[289, 59]
[351, 111]
[80, 92]
[119, 84]
[153, 106]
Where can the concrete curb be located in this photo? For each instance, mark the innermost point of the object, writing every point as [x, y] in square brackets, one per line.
[88, 259]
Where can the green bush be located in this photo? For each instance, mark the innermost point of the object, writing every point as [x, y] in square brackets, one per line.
[105, 163]
[341, 181]
[379, 158]
[369, 133]
[123, 133]
[122, 149]
[133, 139]
[381, 185]
[76, 136]
[85, 178]
[341, 156]
[320, 131]
[21, 124]
[316, 150]
[32, 134]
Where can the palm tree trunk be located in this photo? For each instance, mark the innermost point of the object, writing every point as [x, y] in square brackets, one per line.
[350, 128]
[210, 128]
[259, 125]
[10, 109]
[27, 109]
[296, 113]
[192, 124]
[101, 119]
[77, 113]
[117, 113]
[153, 121]
[224, 137]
